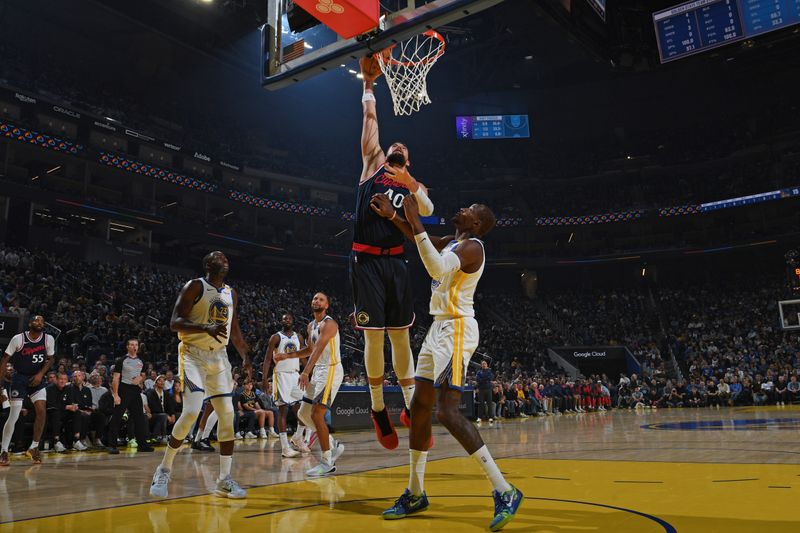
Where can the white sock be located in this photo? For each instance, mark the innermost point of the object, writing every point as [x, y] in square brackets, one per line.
[484, 458]
[169, 457]
[34, 444]
[199, 435]
[416, 477]
[376, 393]
[225, 462]
[408, 393]
[326, 457]
[210, 423]
[298, 435]
[284, 441]
[11, 422]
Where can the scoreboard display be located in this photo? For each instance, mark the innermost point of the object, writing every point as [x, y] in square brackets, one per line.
[701, 25]
[493, 127]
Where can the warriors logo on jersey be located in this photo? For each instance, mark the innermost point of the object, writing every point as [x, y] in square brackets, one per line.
[218, 312]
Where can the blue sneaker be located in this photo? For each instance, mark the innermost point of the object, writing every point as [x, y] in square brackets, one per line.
[505, 507]
[405, 505]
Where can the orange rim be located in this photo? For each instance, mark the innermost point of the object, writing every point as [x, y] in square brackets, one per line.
[430, 33]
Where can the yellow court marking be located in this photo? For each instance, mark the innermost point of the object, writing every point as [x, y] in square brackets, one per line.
[561, 496]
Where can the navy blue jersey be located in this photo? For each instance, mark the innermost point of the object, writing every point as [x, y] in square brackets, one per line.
[372, 229]
[29, 356]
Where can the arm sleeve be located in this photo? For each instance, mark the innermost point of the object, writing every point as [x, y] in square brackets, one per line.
[50, 345]
[117, 368]
[435, 263]
[425, 204]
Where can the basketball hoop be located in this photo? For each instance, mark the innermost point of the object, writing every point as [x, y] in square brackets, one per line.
[406, 66]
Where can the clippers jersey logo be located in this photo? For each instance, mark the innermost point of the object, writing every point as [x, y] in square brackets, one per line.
[218, 312]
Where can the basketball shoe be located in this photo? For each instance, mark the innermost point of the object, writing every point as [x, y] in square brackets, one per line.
[384, 429]
[405, 505]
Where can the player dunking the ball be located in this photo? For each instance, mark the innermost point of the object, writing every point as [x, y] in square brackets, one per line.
[455, 264]
[378, 270]
[203, 316]
[31, 354]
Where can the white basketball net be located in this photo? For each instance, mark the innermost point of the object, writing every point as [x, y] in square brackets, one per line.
[406, 70]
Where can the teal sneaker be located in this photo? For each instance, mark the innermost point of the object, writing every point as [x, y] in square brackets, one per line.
[505, 507]
[405, 505]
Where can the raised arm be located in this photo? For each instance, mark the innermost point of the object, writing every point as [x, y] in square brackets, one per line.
[381, 204]
[467, 257]
[372, 155]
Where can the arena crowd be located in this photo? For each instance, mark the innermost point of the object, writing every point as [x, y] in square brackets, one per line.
[730, 349]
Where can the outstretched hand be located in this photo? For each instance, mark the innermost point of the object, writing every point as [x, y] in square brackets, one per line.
[411, 207]
[370, 69]
[400, 175]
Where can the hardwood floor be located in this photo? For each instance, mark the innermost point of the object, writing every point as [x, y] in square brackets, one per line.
[668, 470]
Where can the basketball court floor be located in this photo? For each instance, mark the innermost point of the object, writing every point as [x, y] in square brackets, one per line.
[702, 470]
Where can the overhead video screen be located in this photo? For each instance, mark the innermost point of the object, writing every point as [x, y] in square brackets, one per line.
[493, 127]
[701, 25]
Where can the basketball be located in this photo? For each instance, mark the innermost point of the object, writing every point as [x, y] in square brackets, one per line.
[369, 65]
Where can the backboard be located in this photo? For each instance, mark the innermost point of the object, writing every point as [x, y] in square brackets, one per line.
[290, 57]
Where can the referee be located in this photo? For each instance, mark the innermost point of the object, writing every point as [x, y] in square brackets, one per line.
[126, 389]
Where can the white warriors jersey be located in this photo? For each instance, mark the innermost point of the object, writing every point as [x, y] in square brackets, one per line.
[288, 344]
[453, 295]
[330, 355]
[215, 306]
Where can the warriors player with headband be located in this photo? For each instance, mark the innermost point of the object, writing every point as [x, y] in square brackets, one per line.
[378, 270]
[204, 315]
[455, 264]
